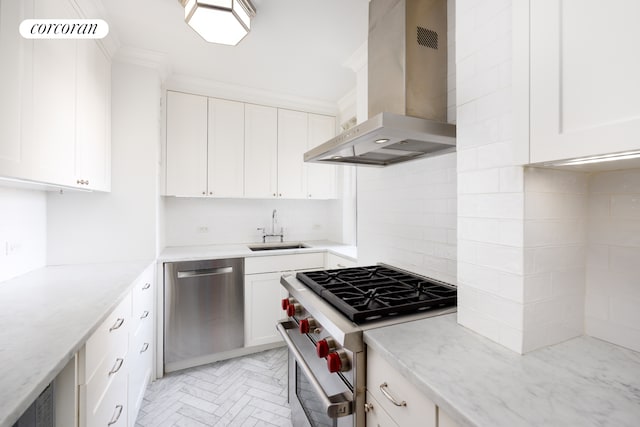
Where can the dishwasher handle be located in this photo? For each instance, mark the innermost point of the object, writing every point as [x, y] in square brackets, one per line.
[205, 272]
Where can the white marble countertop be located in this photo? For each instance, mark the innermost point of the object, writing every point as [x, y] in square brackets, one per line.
[45, 317]
[194, 253]
[578, 383]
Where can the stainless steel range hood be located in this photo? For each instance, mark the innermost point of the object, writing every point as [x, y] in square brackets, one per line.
[407, 65]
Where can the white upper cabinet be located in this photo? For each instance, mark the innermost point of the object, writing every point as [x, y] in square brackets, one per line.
[226, 148]
[222, 148]
[186, 144]
[55, 111]
[93, 116]
[260, 151]
[321, 179]
[292, 143]
[12, 83]
[49, 139]
[584, 84]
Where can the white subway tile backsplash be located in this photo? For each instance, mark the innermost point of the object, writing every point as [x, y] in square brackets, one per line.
[554, 205]
[512, 179]
[495, 155]
[625, 336]
[616, 182]
[467, 159]
[625, 259]
[558, 258]
[494, 105]
[615, 232]
[625, 311]
[537, 287]
[597, 306]
[503, 258]
[599, 205]
[554, 232]
[480, 181]
[626, 206]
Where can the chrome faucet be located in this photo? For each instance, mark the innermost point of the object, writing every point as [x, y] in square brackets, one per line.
[274, 221]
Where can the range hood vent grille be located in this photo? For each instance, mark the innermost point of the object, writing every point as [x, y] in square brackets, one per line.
[427, 38]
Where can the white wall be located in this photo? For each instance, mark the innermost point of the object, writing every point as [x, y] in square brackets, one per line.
[201, 221]
[23, 231]
[613, 261]
[120, 225]
[554, 264]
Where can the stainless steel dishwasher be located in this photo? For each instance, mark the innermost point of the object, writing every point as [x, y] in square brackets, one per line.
[203, 311]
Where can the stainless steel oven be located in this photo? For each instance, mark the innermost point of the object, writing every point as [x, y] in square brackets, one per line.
[318, 397]
[328, 312]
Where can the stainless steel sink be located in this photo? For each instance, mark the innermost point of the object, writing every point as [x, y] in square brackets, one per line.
[277, 246]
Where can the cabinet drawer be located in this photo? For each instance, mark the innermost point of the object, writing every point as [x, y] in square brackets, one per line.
[418, 410]
[112, 411]
[111, 334]
[142, 298]
[114, 366]
[376, 416]
[267, 264]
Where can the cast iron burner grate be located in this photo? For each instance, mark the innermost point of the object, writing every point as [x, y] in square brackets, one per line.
[369, 293]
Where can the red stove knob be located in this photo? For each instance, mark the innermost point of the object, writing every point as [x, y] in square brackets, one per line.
[334, 362]
[285, 303]
[306, 325]
[324, 347]
[293, 309]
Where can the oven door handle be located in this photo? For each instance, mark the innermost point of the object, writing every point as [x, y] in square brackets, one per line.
[339, 405]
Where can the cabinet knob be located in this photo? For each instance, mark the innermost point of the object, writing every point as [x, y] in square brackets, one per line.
[211, 193]
[309, 195]
[280, 194]
[87, 182]
[274, 194]
[204, 193]
[368, 407]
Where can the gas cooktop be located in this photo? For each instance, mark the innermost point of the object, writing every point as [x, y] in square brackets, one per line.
[370, 293]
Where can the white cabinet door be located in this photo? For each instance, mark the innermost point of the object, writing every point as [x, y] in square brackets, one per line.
[49, 138]
[93, 116]
[292, 143]
[226, 148]
[262, 296]
[261, 151]
[584, 91]
[186, 144]
[321, 179]
[13, 49]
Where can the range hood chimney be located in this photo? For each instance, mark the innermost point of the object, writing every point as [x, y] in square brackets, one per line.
[407, 66]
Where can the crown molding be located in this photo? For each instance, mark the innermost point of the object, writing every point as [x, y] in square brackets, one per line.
[217, 89]
[145, 58]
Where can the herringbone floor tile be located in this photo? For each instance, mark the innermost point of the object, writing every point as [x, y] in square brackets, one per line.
[243, 392]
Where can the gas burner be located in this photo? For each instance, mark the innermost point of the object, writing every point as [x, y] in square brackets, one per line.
[369, 293]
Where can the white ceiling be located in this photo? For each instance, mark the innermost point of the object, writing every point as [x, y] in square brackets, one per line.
[295, 47]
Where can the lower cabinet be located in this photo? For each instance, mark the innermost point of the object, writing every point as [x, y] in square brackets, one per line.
[263, 293]
[262, 296]
[116, 362]
[337, 261]
[394, 401]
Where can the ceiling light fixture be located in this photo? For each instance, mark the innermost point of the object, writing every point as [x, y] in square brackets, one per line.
[219, 21]
[596, 159]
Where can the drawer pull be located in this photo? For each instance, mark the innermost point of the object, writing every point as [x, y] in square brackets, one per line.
[383, 389]
[116, 366]
[145, 347]
[145, 314]
[117, 325]
[116, 415]
[368, 407]
[146, 286]
[342, 266]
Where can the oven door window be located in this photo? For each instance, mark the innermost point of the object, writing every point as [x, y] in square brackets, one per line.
[310, 402]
